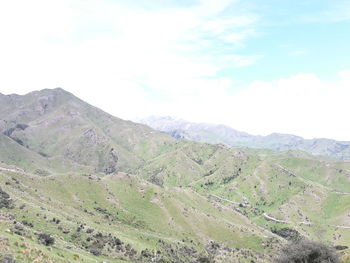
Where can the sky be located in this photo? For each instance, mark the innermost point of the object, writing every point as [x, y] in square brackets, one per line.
[259, 66]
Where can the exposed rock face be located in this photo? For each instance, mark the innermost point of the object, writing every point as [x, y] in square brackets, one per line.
[20, 127]
[177, 134]
[5, 200]
[112, 162]
[92, 138]
[2, 125]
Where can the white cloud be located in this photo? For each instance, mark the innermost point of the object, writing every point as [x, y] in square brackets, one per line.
[27, 20]
[43, 36]
[222, 25]
[134, 61]
[239, 61]
[301, 104]
[98, 45]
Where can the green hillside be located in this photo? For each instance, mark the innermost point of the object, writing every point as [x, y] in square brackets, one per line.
[144, 217]
[109, 190]
[73, 135]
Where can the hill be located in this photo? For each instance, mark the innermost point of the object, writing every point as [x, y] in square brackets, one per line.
[112, 190]
[56, 131]
[212, 133]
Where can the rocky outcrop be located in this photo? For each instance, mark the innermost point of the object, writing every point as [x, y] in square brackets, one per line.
[19, 127]
[5, 200]
[112, 162]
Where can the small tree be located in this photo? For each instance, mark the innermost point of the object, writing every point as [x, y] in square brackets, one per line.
[307, 251]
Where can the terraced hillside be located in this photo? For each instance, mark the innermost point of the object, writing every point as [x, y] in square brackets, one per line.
[111, 190]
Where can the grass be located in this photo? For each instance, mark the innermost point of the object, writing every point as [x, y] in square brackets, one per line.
[71, 143]
[137, 212]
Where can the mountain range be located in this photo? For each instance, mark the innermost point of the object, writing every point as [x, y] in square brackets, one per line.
[212, 133]
[80, 185]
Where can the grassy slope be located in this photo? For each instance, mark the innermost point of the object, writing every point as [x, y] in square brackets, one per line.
[310, 196]
[139, 213]
[76, 138]
[73, 135]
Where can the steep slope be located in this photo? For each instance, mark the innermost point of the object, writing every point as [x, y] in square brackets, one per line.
[122, 218]
[73, 135]
[223, 134]
[308, 195]
[183, 198]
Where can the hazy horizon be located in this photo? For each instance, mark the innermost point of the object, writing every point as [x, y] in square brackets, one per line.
[140, 120]
[258, 67]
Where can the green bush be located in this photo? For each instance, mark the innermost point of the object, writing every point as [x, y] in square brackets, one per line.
[46, 239]
[306, 251]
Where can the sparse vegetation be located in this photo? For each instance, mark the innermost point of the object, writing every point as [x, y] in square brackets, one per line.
[114, 191]
[306, 251]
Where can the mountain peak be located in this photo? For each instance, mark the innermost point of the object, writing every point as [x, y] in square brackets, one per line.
[57, 90]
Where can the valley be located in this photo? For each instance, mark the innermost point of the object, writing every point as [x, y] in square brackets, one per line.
[110, 190]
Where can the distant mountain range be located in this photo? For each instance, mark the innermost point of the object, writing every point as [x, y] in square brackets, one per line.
[212, 133]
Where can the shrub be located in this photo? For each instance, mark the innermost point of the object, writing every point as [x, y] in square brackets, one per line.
[46, 239]
[7, 258]
[5, 200]
[204, 260]
[288, 233]
[306, 251]
[95, 251]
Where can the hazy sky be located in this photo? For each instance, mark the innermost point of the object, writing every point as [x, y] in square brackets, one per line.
[260, 66]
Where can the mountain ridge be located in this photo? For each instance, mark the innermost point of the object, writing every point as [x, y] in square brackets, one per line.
[110, 189]
[219, 133]
[54, 117]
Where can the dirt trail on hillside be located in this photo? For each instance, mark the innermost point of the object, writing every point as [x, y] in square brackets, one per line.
[19, 171]
[300, 223]
[268, 217]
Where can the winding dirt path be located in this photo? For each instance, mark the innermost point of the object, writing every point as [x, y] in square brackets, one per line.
[268, 217]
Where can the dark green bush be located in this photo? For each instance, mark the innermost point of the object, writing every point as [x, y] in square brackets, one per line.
[288, 233]
[5, 200]
[46, 239]
[306, 251]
